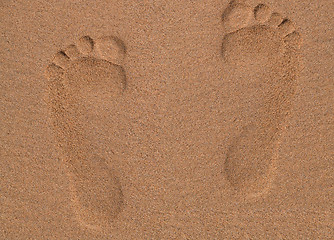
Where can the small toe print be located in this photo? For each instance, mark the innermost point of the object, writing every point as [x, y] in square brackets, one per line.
[286, 27]
[85, 45]
[275, 19]
[262, 13]
[72, 52]
[61, 59]
[293, 39]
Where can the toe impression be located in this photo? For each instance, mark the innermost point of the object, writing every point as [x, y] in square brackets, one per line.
[111, 49]
[275, 19]
[72, 52]
[61, 59]
[262, 13]
[285, 28]
[85, 45]
[236, 16]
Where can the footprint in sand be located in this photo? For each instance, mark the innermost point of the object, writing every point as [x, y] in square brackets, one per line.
[81, 78]
[261, 48]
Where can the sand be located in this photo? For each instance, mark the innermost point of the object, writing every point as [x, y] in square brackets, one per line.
[166, 119]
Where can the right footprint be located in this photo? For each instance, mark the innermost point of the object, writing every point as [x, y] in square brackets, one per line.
[261, 50]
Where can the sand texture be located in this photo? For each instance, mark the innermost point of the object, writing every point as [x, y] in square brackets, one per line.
[167, 119]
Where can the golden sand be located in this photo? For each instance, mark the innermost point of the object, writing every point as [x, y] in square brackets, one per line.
[166, 120]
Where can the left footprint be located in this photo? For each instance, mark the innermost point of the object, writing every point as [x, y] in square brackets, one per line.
[81, 78]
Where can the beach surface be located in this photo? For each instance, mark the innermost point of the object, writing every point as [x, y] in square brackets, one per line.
[172, 119]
